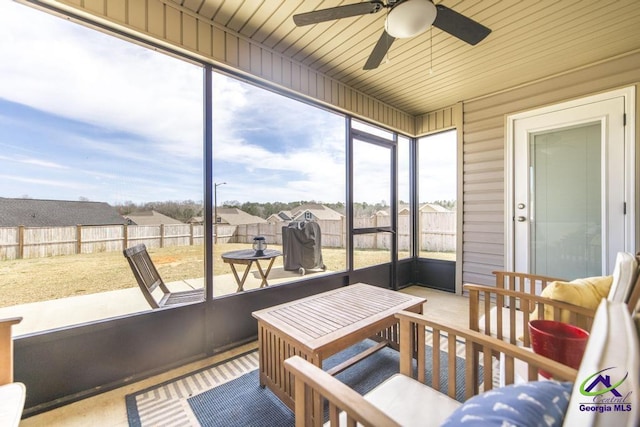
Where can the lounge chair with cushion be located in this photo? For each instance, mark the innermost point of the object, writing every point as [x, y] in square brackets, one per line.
[404, 399]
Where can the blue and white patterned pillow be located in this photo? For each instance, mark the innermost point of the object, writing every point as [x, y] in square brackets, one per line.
[535, 403]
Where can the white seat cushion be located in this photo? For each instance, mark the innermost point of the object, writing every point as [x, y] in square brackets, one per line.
[409, 402]
[612, 351]
[11, 403]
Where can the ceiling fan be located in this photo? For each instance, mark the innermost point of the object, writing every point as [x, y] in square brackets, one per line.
[406, 18]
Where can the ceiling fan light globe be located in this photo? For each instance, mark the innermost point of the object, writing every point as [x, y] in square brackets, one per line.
[410, 18]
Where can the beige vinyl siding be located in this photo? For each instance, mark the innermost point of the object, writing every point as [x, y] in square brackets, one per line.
[439, 120]
[182, 29]
[484, 162]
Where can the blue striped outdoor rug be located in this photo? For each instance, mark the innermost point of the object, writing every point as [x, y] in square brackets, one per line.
[241, 402]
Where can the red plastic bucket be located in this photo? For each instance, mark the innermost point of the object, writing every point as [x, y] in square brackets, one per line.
[559, 341]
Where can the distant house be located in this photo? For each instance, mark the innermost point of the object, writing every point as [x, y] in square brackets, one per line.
[281, 216]
[307, 212]
[150, 218]
[196, 220]
[430, 207]
[403, 210]
[381, 214]
[235, 216]
[56, 213]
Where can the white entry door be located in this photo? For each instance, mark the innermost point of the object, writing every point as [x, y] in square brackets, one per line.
[572, 203]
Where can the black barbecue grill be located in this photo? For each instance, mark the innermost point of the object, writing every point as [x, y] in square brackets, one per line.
[302, 247]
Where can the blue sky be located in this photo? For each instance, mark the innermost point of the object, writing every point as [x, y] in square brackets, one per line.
[85, 114]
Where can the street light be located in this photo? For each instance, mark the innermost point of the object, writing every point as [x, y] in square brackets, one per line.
[215, 210]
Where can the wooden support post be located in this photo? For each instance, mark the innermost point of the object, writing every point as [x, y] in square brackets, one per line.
[78, 239]
[20, 241]
[162, 235]
[125, 236]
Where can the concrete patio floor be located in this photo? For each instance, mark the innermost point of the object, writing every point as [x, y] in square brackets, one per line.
[64, 312]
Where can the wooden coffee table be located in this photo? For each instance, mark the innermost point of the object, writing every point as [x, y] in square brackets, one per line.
[321, 325]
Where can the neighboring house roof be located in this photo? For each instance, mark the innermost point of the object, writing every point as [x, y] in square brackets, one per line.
[430, 207]
[56, 213]
[150, 218]
[234, 216]
[280, 216]
[320, 212]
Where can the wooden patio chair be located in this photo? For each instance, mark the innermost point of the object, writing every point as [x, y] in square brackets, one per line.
[409, 398]
[152, 284]
[499, 310]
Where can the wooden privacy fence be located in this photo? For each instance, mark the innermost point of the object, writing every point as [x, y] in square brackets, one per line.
[37, 242]
[332, 233]
[437, 233]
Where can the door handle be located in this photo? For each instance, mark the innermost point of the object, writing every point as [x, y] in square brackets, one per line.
[521, 219]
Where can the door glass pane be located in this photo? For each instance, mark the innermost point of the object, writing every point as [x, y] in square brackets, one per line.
[373, 130]
[371, 249]
[566, 202]
[371, 195]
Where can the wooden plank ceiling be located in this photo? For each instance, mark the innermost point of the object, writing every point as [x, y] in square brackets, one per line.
[530, 40]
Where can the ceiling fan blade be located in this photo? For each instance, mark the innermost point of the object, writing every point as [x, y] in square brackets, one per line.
[338, 12]
[466, 29]
[379, 51]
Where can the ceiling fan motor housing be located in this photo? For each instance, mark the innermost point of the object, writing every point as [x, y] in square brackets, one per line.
[410, 18]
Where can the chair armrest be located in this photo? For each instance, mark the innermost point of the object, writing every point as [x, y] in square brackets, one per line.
[309, 378]
[513, 302]
[524, 282]
[6, 349]
[475, 344]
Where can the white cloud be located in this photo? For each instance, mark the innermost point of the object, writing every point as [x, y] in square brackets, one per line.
[85, 75]
[34, 162]
[47, 182]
